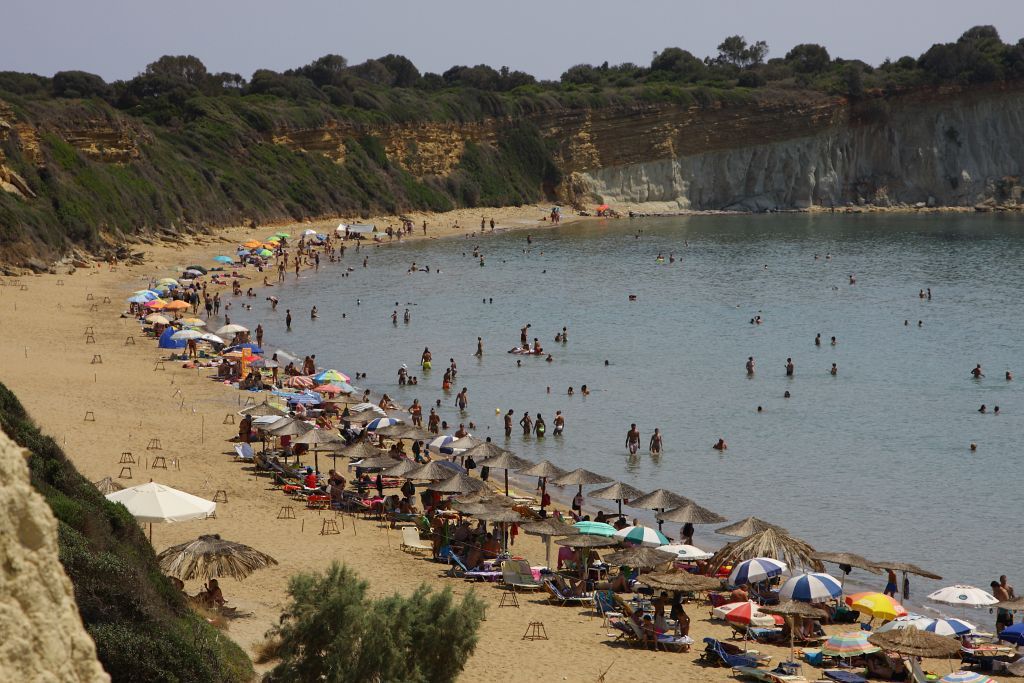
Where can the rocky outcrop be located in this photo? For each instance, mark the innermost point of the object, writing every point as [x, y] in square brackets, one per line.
[41, 635]
[940, 148]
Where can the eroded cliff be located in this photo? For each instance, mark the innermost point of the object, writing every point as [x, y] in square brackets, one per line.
[41, 635]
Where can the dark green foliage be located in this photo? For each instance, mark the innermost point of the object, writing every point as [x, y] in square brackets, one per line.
[808, 58]
[79, 84]
[331, 631]
[142, 627]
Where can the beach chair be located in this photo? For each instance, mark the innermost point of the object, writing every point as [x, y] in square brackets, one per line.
[244, 452]
[775, 676]
[604, 605]
[843, 676]
[457, 568]
[915, 674]
[511, 575]
[411, 540]
[715, 655]
[555, 594]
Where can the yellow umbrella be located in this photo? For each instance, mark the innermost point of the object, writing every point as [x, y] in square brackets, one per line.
[877, 605]
[176, 306]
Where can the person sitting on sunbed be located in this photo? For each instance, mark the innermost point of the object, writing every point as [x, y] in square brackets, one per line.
[211, 596]
[739, 594]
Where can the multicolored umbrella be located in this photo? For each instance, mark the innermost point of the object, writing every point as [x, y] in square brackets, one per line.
[176, 306]
[850, 644]
[332, 376]
[186, 335]
[641, 535]
[754, 570]
[966, 677]
[876, 604]
[815, 587]
[595, 528]
[329, 389]
[156, 304]
[192, 322]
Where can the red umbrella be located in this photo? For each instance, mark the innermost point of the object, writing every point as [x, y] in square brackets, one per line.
[743, 612]
[299, 382]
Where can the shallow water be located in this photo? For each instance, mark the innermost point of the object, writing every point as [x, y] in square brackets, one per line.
[874, 460]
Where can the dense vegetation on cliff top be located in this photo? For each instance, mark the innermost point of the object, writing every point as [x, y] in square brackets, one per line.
[205, 153]
[142, 627]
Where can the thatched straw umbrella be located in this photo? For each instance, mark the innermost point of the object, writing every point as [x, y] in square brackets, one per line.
[907, 568]
[748, 526]
[495, 457]
[640, 557]
[107, 485]
[210, 557]
[460, 483]
[548, 529]
[381, 462]
[581, 477]
[768, 543]
[543, 470]
[465, 443]
[360, 450]
[846, 561]
[486, 497]
[435, 470]
[915, 643]
[617, 492]
[691, 513]
[320, 440]
[659, 500]
[262, 409]
[501, 516]
[403, 431]
[588, 541]
[680, 581]
[791, 609]
[403, 468]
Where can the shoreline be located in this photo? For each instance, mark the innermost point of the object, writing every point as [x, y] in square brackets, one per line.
[188, 415]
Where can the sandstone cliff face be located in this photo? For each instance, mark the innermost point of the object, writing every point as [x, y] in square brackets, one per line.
[950, 149]
[41, 635]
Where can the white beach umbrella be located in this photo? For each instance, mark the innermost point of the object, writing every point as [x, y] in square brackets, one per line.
[686, 553]
[207, 336]
[231, 329]
[154, 502]
[966, 596]
[185, 335]
[158, 319]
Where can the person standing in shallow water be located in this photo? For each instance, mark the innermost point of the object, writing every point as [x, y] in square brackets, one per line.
[789, 367]
[288, 319]
[508, 423]
[526, 423]
[655, 444]
[633, 439]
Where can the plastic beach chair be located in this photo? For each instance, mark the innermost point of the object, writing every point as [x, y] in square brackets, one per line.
[243, 451]
[766, 675]
[556, 595]
[411, 540]
[844, 676]
[715, 654]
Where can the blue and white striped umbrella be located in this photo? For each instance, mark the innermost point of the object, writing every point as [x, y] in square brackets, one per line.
[950, 627]
[642, 535]
[380, 423]
[306, 397]
[811, 588]
[441, 444]
[757, 569]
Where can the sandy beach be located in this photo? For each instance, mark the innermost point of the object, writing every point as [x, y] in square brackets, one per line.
[92, 381]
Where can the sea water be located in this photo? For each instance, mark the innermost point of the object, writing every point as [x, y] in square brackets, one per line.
[873, 460]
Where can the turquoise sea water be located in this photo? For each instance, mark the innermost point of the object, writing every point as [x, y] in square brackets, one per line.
[873, 460]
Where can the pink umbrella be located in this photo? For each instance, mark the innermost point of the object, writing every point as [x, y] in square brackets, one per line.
[746, 613]
[328, 389]
[299, 382]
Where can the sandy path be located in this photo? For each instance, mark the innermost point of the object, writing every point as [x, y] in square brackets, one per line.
[48, 360]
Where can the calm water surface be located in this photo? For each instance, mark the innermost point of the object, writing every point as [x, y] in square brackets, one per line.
[874, 460]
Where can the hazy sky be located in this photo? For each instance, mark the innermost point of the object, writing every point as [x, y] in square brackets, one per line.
[117, 38]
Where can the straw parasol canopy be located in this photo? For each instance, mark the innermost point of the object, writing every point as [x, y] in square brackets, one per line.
[748, 526]
[500, 460]
[403, 468]
[289, 427]
[581, 477]
[772, 543]
[403, 431]
[681, 581]
[915, 643]
[435, 470]
[1014, 605]
[476, 508]
[550, 527]
[362, 449]
[498, 515]
[321, 439]
[641, 557]
[210, 557]
[792, 608]
[544, 468]
[460, 483]
[659, 499]
[261, 409]
[907, 568]
[617, 491]
[691, 513]
[848, 559]
[380, 462]
[466, 442]
[486, 497]
[587, 541]
[107, 485]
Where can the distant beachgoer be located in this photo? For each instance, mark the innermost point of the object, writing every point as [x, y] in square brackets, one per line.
[1009, 376]
[559, 423]
[479, 347]
[686, 534]
[976, 372]
[584, 390]
[288, 319]
[526, 423]
[633, 439]
[425, 359]
[834, 370]
[508, 423]
[570, 392]
[760, 409]
[890, 584]
[983, 409]
[833, 341]
[462, 399]
[721, 445]
[539, 426]
[750, 365]
[406, 317]
[789, 367]
[259, 335]
[313, 314]
[416, 410]
[995, 410]
[433, 422]
[656, 443]
[817, 339]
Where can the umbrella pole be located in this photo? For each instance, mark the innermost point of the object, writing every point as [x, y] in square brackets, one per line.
[620, 507]
[506, 482]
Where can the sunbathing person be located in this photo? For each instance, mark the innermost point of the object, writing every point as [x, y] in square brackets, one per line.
[211, 596]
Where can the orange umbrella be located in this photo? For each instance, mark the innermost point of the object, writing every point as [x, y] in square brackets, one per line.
[156, 304]
[252, 244]
[176, 306]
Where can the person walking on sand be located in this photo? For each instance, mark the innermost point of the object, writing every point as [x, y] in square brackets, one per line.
[890, 583]
[526, 423]
[288, 319]
[655, 444]
[462, 399]
[416, 410]
[508, 423]
[633, 439]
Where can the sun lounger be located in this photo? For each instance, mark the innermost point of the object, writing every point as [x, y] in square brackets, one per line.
[630, 631]
[716, 654]
[244, 452]
[512, 575]
[844, 676]
[914, 672]
[411, 540]
[555, 594]
[604, 604]
[766, 675]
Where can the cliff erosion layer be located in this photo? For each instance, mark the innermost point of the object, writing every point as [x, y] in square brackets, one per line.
[41, 635]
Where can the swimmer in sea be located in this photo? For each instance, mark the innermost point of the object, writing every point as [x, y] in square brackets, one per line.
[655, 444]
[526, 423]
[549, 359]
[539, 427]
[425, 358]
[721, 445]
[633, 439]
[976, 372]
[479, 347]
[313, 314]
[559, 422]
[508, 423]
[833, 341]
[983, 409]
[834, 371]
[584, 390]
[570, 391]
[1009, 376]
[750, 365]
[789, 367]
[394, 317]
[817, 339]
